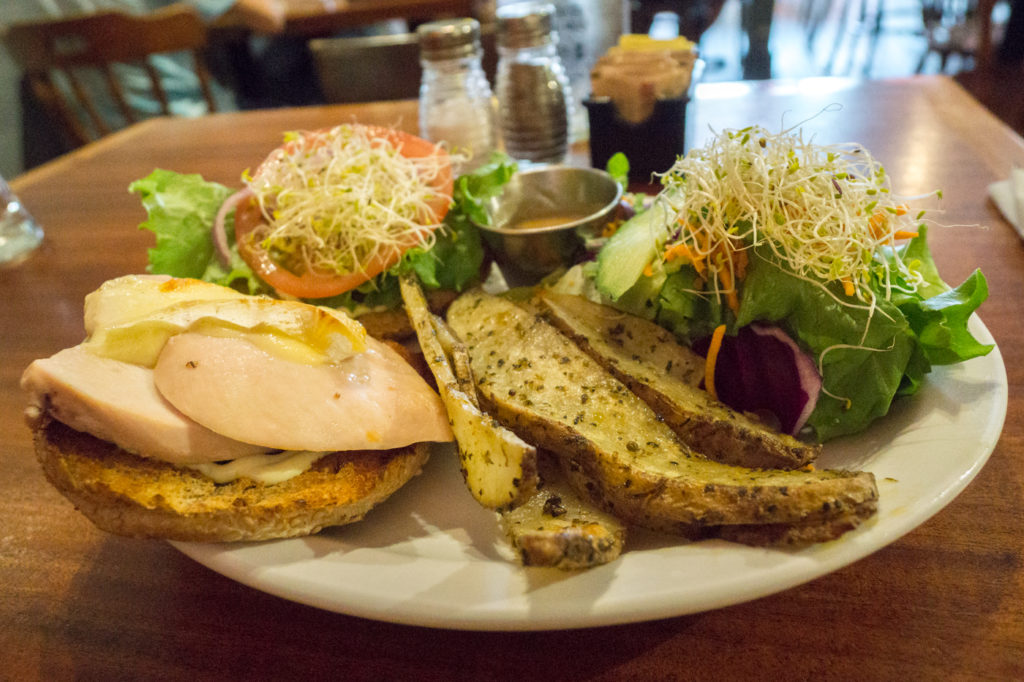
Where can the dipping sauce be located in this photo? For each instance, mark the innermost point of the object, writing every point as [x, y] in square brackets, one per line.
[547, 221]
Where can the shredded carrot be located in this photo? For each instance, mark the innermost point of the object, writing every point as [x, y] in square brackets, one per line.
[723, 260]
[701, 267]
[741, 262]
[733, 299]
[704, 249]
[700, 236]
[649, 270]
[712, 359]
[725, 277]
[848, 288]
[679, 250]
[877, 223]
[611, 228]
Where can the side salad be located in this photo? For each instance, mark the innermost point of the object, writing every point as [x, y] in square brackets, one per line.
[332, 216]
[802, 276]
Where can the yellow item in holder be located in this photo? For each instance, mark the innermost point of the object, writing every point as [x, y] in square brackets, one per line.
[642, 41]
[641, 70]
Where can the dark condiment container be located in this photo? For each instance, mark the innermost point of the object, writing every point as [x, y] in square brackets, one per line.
[651, 145]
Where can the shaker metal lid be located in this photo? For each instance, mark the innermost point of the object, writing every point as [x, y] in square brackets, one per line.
[525, 24]
[449, 38]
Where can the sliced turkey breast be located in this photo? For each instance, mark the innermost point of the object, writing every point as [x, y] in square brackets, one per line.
[119, 402]
[373, 400]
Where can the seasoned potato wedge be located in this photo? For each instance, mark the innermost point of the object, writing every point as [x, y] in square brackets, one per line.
[814, 529]
[783, 534]
[557, 528]
[456, 353]
[499, 468]
[615, 449]
[665, 375]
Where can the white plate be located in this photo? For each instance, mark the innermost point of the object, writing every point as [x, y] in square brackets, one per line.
[430, 556]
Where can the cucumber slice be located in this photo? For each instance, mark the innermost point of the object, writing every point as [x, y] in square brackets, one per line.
[622, 259]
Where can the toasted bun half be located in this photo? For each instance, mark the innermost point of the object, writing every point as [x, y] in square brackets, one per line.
[129, 495]
[394, 324]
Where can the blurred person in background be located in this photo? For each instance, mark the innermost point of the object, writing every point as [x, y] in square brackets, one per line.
[175, 69]
[1011, 49]
[178, 77]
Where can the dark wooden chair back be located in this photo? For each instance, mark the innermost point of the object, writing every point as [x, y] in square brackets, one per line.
[99, 41]
[368, 68]
[382, 67]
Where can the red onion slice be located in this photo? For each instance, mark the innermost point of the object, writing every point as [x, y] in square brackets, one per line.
[219, 234]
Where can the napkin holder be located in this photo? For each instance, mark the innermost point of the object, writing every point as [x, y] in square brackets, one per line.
[651, 146]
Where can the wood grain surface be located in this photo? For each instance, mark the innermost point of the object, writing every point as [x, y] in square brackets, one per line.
[944, 602]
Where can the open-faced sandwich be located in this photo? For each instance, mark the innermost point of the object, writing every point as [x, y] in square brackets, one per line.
[193, 412]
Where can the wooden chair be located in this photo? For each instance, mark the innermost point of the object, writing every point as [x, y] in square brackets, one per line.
[381, 67]
[97, 42]
[367, 68]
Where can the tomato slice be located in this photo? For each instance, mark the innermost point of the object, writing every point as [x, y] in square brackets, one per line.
[315, 284]
[413, 147]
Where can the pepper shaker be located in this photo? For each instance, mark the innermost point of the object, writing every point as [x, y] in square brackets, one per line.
[531, 85]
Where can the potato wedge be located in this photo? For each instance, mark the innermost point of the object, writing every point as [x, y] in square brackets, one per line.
[665, 375]
[457, 355]
[557, 528]
[814, 529]
[615, 449]
[499, 468]
[783, 535]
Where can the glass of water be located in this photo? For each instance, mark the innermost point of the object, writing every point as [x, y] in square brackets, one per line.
[20, 234]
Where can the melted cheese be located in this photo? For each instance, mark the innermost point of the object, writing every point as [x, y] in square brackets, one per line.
[131, 319]
[133, 297]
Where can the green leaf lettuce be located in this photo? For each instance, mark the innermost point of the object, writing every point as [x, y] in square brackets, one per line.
[867, 355]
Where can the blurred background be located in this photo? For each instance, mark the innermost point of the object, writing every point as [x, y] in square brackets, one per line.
[738, 39]
[859, 38]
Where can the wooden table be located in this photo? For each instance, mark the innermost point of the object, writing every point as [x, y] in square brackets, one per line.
[945, 601]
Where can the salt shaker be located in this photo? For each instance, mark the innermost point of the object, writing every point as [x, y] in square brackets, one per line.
[455, 98]
[531, 85]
